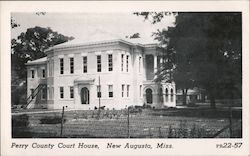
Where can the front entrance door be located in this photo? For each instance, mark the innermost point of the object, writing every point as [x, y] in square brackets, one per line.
[149, 96]
[85, 95]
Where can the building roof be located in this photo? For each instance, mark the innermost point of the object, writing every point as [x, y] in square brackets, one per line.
[38, 61]
[100, 37]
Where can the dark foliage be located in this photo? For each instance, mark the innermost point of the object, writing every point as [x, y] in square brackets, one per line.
[52, 120]
[202, 50]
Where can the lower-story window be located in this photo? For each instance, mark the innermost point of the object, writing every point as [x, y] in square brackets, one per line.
[172, 95]
[71, 92]
[32, 93]
[123, 90]
[99, 92]
[127, 90]
[44, 93]
[140, 90]
[110, 87]
[61, 93]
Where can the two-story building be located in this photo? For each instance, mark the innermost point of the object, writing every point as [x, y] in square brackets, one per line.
[113, 72]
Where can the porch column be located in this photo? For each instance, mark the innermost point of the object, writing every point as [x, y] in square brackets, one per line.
[174, 100]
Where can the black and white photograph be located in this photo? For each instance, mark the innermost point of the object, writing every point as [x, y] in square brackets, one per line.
[149, 75]
[136, 74]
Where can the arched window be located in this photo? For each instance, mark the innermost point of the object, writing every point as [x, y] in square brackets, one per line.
[166, 94]
[172, 95]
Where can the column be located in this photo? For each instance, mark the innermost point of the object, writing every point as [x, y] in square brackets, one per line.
[143, 67]
[169, 96]
[161, 61]
[174, 100]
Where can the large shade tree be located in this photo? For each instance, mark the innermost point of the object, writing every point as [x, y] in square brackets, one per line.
[205, 50]
[28, 46]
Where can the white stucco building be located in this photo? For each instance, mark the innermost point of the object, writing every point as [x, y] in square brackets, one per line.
[69, 75]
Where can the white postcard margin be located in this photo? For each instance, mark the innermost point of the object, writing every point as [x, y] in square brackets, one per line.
[181, 146]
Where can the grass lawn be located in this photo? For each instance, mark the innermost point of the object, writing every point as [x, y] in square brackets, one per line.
[176, 123]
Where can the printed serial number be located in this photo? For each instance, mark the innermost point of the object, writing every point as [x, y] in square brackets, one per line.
[229, 145]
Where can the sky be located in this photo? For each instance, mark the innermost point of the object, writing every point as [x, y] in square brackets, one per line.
[81, 25]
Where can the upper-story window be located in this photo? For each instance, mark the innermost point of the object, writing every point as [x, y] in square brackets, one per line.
[61, 66]
[32, 73]
[99, 63]
[139, 64]
[110, 62]
[71, 62]
[127, 63]
[85, 64]
[43, 73]
[122, 57]
[110, 89]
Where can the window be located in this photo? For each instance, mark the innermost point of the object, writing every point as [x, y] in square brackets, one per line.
[71, 88]
[127, 90]
[110, 87]
[32, 74]
[43, 73]
[52, 67]
[122, 56]
[99, 93]
[52, 92]
[110, 61]
[71, 60]
[32, 93]
[172, 95]
[139, 64]
[140, 90]
[166, 94]
[85, 61]
[44, 93]
[61, 93]
[123, 90]
[99, 63]
[61, 66]
[127, 63]
[48, 93]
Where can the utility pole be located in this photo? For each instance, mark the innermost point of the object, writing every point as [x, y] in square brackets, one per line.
[128, 124]
[99, 96]
[62, 121]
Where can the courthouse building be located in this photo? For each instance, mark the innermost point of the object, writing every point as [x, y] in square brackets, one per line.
[117, 72]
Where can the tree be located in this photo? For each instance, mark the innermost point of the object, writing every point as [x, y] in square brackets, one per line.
[207, 48]
[30, 45]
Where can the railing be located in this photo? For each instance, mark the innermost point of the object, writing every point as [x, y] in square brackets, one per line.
[34, 94]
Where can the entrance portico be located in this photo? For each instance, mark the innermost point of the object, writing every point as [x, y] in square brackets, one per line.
[82, 87]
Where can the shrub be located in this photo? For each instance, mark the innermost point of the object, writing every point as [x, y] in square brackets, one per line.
[20, 121]
[52, 120]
